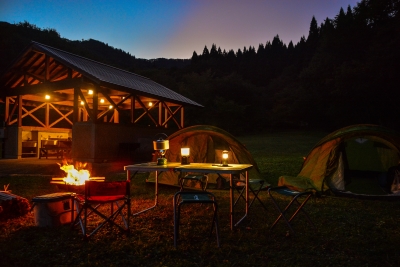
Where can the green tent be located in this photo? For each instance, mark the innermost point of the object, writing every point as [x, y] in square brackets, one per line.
[353, 161]
[206, 144]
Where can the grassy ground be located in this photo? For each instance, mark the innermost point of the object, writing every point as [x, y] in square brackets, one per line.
[349, 232]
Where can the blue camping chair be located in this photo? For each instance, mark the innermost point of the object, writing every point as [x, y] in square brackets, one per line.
[297, 198]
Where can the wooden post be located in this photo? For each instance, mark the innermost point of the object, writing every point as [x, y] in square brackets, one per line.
[159, 114]
[76, 104]
[166, 116]
[19, 111]
[95, 104]
[47, 115]
[116, 116]
[132, 109]
[182, 117]
[7, 111]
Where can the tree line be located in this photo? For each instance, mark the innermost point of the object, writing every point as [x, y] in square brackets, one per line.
[344, 72]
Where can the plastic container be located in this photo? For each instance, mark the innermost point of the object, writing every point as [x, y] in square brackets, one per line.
[53, 209]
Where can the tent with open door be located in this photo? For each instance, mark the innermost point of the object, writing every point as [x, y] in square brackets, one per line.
[352, 161]
[206, 144]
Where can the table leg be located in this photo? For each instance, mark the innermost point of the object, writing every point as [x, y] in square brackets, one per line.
[155, 198]
[231, 197]
[156, 190]
[247, 201]
[247, 193]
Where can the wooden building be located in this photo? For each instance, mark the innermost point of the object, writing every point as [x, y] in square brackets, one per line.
[98, 112]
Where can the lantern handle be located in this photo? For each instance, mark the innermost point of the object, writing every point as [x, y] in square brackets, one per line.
[160, 136]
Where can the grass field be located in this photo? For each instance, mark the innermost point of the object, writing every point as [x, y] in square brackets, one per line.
[350, 232]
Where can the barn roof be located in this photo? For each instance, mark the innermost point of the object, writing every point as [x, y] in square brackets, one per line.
[101, 74]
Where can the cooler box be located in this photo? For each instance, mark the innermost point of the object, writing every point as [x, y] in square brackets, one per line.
[53, 209]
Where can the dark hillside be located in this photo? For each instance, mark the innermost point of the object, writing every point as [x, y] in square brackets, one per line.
[345, 71]
[15, 37]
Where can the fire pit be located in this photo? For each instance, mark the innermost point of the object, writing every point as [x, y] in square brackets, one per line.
[75, 179]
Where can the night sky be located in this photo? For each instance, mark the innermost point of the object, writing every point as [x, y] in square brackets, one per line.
[174, 28]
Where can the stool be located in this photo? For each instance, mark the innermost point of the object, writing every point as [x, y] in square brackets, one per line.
[296, 196]
[202, 197]
[255, 186]
[200, 178]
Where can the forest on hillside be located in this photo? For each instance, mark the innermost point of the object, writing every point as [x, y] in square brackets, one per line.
[346, 71]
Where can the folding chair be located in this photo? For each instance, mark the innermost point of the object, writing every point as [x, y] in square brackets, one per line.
[200, 197]
[97, 195]
[202, 179]
[296, 199]
[255, 187]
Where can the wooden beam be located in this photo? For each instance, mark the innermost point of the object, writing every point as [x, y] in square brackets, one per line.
[172, 113]
[108, 98]
[30, 113]
[46, 87]
[146, 111]
[80, 94]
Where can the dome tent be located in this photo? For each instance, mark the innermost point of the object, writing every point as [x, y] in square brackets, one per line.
[350, 159]
[206, 144]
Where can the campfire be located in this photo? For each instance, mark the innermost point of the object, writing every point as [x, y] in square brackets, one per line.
[75, 177]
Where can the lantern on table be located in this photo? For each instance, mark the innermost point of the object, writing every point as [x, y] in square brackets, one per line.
[161, 145]
[185, 153]
[225, 158]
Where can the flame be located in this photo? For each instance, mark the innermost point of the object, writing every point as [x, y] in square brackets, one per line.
[74, 176]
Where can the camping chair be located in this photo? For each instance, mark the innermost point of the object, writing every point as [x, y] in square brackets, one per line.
[255, 187]
[98, 194]
[202, 179]
[200, 197]
[296, 196]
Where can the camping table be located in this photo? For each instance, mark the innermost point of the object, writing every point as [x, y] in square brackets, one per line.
[149, 167]
[231, 169]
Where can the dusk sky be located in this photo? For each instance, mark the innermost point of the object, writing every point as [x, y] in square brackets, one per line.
[174, 28]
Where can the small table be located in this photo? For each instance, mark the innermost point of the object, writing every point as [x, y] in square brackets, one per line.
[231, 169]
